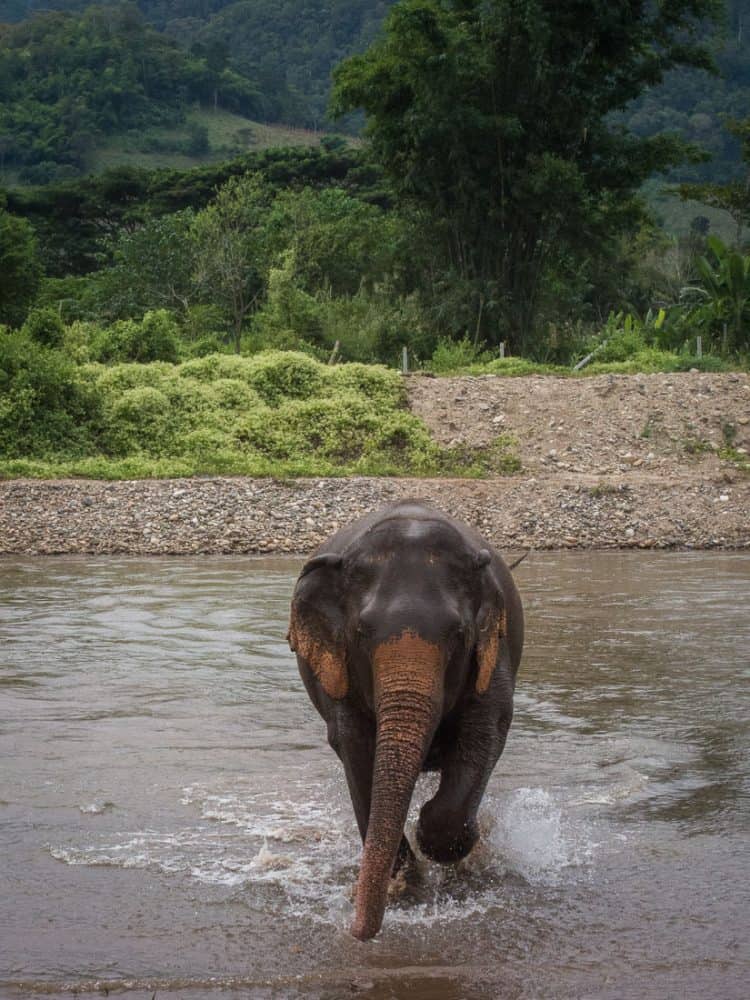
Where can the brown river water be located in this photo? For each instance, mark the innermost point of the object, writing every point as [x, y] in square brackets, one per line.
[173, 823]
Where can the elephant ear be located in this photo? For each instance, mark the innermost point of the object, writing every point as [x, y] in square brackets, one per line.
[490, 621]
[316, 628]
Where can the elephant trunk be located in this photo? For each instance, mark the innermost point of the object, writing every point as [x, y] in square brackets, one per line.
[407, 686]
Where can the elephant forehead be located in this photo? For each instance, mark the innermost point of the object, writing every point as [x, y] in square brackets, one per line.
[412, 534]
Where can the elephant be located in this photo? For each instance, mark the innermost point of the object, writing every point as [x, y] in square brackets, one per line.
[408, 631]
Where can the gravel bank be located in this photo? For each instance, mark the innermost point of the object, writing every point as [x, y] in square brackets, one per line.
[608, 462]
[227, 515]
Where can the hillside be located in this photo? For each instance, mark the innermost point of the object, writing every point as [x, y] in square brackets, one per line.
[226, 136]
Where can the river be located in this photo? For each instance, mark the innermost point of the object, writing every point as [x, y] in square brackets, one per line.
[173, 822]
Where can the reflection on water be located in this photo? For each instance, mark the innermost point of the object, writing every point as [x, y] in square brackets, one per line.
[173, 821]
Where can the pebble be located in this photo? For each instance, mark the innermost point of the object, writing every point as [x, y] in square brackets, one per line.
[241, 515]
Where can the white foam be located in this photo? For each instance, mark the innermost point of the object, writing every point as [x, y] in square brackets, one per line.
[95, 808]
[630, 783]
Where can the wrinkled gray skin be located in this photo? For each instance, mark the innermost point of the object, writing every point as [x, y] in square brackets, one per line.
[408, 630]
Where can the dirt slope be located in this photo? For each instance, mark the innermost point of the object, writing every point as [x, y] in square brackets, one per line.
[634, 425]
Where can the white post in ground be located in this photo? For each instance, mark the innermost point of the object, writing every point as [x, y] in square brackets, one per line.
[699, 346]
[405, 360]
[502, 348]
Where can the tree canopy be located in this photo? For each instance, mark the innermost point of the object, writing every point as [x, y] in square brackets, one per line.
[492, 120]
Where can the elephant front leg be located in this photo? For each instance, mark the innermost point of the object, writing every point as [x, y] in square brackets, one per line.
[352, 736]
[448, 828]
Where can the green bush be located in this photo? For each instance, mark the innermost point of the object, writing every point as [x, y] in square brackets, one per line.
[210, 343]
[269, 414]
[648, 359]
[46, 406]
[139, 421]
[284, 374]
[115, 379]
[516, 366]
[45, 327]
[457, 355]
[155, 338]
[621, 345]
[380, 385]
[705, 363]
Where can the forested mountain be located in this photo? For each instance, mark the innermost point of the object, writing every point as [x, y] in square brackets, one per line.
[285, 49]
[696, 105]
[68, 79]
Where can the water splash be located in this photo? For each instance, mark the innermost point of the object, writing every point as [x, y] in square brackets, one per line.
[303, 849]
[95, 808]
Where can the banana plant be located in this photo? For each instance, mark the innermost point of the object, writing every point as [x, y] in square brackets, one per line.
[725, 293]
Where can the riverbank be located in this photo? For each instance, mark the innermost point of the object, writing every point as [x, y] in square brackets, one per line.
[640, 461]
[239, 515]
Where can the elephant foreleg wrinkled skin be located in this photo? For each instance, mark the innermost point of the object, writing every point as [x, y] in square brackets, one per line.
[447, 829]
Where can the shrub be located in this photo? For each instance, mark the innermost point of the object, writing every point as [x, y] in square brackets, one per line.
[517, 366]
[279, 374]
[379, 384]
[45, 327]
[139, 421]
[155, 338]
[648, 359]
[45, 405]
[115, 379]
[210, 343]
[270, 414]
[457, 355]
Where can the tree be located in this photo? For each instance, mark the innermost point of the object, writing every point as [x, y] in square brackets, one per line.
[153, 267]
[20, 270]
[341, 243]
[492, 119]
[233, 249]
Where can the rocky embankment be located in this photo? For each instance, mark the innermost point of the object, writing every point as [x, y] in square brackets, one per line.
[611, 461]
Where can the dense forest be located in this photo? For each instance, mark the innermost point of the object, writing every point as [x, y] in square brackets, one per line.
[491, 219]
[271, 61]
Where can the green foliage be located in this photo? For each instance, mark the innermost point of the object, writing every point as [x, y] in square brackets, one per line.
[45, 327]
[340, 243]
[154, 338]
[500, 138]
[274, 413]
[69, 79]
[733, 194]
[74, 221]
[723, 308]
[20, 269]
[457, 355]
[697, 107]
[45, 405]
[153, 266]
[511, 367]
[233, 252]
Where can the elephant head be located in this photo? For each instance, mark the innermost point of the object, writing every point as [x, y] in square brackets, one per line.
[404, 623]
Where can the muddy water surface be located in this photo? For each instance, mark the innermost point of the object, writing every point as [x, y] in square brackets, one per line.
[172, 821]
